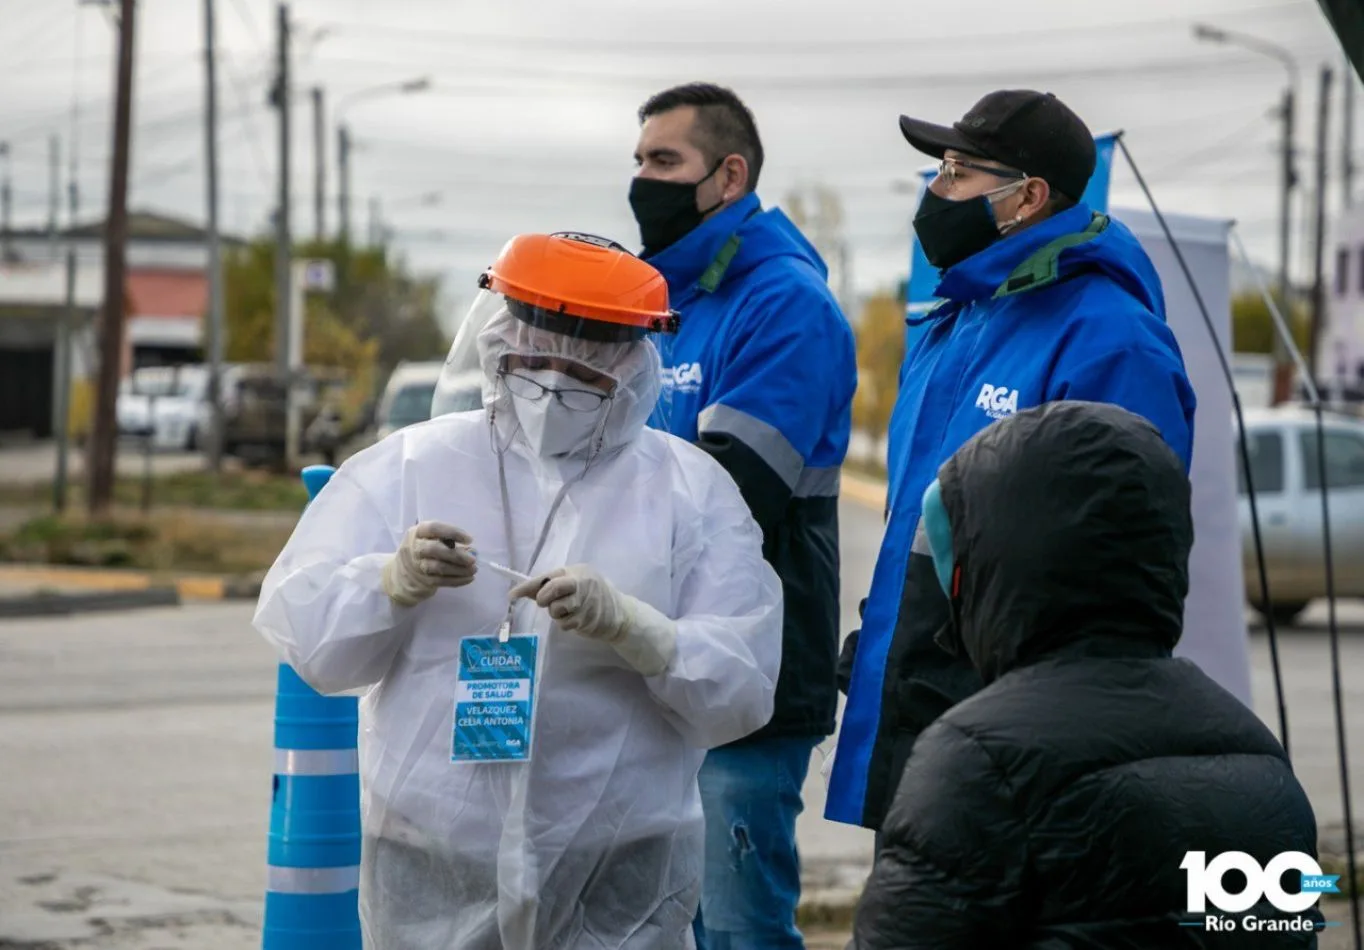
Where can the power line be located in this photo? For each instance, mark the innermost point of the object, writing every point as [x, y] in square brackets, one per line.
[31, 43]
[562, 45]
[501, 178]
[244, 14]
[73, 186]
[248, 113]
[19, 22]
[172, 120]
[511, 193]
[96, 64]
[554, 79]
[97, 114]
[1208, 150]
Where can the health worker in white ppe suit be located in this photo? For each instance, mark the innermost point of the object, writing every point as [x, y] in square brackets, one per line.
[530, 747]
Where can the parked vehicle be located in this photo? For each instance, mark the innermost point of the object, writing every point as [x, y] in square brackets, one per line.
[170, 404]
[163, 403]
[1282, 444]
[407, 397]
[459, 392]
[411, 388]
[1253, 376]
[254, 427]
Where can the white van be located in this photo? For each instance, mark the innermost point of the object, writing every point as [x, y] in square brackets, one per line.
[458, 392]
[407, 397]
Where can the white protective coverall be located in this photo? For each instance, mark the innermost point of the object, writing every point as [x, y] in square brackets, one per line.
[596, 842]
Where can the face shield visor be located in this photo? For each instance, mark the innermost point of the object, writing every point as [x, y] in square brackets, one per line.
[561, 321]
[571, 386]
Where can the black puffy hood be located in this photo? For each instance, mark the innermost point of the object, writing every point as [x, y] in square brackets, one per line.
[1071, 529]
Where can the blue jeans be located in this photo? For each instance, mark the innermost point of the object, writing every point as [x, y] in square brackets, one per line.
[751, 796]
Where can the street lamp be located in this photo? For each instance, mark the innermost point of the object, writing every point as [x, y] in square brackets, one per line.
[428, 199]
[378, 231]
[1283, 368]
[343, 140]
[5, 206]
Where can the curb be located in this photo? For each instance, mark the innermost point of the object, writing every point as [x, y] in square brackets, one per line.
[56, 605]
[92, 581]
[864, 491]
[1337, 864]
[218, 588]
[829, 909]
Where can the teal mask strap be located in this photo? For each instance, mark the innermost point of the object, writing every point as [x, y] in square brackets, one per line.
[939, 532]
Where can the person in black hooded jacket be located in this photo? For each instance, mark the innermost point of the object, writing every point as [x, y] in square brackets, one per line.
[1053, 809]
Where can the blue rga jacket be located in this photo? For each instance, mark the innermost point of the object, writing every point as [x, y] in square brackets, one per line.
[761, 375]
[1071, 308]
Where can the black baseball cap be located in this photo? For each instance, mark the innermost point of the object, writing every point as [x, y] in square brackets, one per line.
[1032, 132]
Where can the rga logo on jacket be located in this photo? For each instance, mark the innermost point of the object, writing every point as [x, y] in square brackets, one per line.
[1205, 886]
[684, 377]
[997, 401]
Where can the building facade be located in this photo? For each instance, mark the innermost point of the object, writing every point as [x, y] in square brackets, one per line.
[1340, 357]
[166, 298]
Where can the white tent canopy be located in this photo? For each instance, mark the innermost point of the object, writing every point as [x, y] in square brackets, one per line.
[1215, 634]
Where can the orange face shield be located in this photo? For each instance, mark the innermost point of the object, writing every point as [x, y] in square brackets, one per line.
[581, 286]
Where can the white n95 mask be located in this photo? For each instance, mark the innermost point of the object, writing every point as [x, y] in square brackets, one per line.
[555, 411]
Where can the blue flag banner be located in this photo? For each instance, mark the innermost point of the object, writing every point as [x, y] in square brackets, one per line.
[923, 276]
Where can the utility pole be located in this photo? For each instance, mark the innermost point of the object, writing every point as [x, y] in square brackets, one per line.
[53, 182]
[54, 188]
[73, 190]
[343, 182]
[1347, 165]
[61, 351]
[1319, 237]
[319, 166]
[61, 384]
[215, 275]
[283, 239]
[1283, 366]
[6, 204]
[102, 443]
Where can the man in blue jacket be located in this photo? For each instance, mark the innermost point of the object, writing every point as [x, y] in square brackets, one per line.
[1042, 300]
[761, 375]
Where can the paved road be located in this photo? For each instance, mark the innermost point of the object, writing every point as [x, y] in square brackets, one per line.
[37, 462]
[136, 751]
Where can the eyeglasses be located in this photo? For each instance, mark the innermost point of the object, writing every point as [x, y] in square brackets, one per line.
[947, 170]
[579, 400]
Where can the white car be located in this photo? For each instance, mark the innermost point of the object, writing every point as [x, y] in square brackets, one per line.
[169, 404]
[1284, 471]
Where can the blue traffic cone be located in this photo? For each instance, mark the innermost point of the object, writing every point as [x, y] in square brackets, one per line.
[313, 880]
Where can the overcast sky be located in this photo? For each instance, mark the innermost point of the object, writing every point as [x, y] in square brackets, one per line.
[530, 121]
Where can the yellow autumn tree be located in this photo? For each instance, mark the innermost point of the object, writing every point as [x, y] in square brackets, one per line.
[376, 298]
[329, 342]
[880, 350]
[1252, 326]
[249, 303]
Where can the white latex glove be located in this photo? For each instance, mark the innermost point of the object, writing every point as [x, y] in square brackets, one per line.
[827, 769]
[432, 556]
[581, 600]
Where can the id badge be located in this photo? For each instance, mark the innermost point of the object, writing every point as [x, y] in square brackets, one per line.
[495, 699]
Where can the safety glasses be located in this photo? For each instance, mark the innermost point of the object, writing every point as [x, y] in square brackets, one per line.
[947, 170]
[578, 400]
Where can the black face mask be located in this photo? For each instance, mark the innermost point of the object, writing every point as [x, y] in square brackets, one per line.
[951, 231]
[666, 210]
